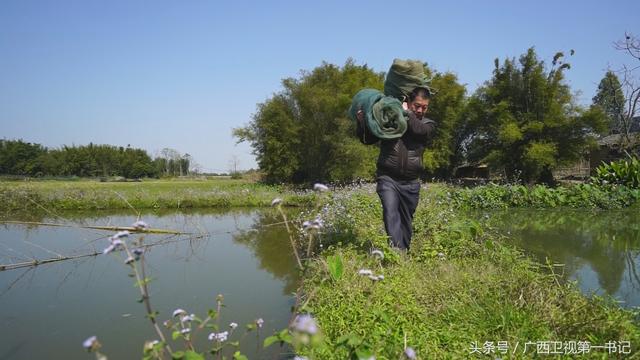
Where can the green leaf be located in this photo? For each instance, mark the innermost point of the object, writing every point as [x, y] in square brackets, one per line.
[336, 266]
[238, 356]
[177, 355]
[354, 341]
[175, 335]
[192, 355]
[270, 340]
[364, 353]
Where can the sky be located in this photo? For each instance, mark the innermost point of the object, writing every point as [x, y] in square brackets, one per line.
[182, 74]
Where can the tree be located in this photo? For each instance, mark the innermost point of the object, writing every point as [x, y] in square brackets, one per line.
[303, 133]
[20, 158]
[611, 100]
[631, 88]
[447, 108]
[527, 120]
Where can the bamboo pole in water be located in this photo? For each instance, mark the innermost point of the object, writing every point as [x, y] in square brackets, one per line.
[36, 262]
[96, 227]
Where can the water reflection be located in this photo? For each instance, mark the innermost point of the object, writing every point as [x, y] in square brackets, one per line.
[271, 246]
[52, 308]
[601, 250]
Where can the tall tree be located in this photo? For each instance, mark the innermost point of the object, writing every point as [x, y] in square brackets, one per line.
[528, 122]
[631, 87]
[447, 108]
[303, 132]
[611, 99]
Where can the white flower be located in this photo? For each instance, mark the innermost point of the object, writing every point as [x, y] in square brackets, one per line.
[120, 234]
[117, 242]
[90, 342]
[276, 201]
[377, 253]
[260, 322]
[233, 325]
[320, 187]
[177, 312]
[305, 323]
[129, 260]
[365, 272]
[185, 331]
[108, 249]
[140, 225]
[187, 318]
[300, 358]
[221, 337]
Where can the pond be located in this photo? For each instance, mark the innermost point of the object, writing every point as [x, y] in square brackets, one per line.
[600, 250]
[49, 310]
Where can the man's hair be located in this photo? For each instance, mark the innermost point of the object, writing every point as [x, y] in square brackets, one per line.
[421, 92]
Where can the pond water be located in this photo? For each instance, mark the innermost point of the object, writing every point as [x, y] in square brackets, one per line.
[599, 249]
[49, 310]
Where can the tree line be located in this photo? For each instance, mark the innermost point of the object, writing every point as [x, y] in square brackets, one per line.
[18, 157]
[524, 122]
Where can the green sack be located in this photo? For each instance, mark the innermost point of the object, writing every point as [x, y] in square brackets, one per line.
[383, 115]
[403, 77]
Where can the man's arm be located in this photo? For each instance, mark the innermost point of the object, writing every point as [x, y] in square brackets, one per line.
[362, 132]
[421, 128]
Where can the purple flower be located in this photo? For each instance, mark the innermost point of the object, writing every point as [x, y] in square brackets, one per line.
[90, 343]
[129, 260]
[120, 235]
[410, 353]
[220, 337]
[108, 249]
[233, 325]
[276, 201]
[177, 312]
[185, 331]
[138, 251]
[305, 323]
[117, 242]
[187, 318]
[140, 225]
[259, 322]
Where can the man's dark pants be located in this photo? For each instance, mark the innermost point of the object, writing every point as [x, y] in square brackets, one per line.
[399, 201]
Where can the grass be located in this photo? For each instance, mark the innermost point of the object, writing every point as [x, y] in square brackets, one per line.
[151, 194]
[459, 285]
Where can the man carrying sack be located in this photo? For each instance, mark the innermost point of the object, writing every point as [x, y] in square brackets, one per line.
[399, 165]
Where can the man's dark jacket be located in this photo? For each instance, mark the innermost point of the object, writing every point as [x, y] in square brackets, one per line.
[401, 159]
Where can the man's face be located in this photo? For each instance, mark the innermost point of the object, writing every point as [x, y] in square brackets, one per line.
[419, 106]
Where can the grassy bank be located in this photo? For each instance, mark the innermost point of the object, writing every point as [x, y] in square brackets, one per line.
[459, 286]
[152, 194]
[584, 196]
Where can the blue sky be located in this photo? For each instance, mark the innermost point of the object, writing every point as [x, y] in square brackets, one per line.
[182, 74]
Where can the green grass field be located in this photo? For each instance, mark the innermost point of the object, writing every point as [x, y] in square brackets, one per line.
[151, 194]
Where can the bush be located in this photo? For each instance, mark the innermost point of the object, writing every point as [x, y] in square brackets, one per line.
[622, 172]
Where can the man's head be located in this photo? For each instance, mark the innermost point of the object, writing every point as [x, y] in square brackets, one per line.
[419, 101]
